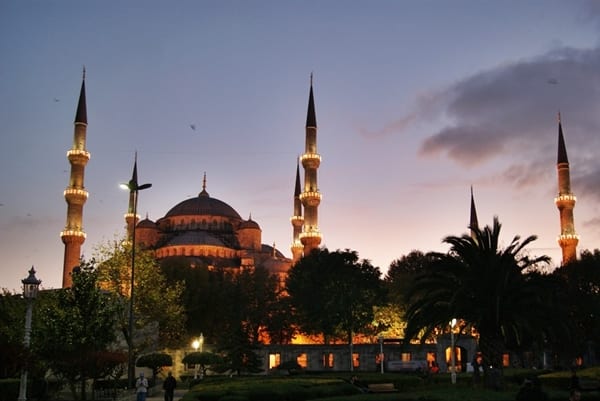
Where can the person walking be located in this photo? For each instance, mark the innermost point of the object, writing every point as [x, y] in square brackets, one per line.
[169, 386]
[141, 387]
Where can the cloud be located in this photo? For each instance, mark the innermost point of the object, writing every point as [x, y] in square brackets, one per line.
[511, 108]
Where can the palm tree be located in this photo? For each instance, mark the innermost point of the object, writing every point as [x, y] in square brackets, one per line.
[495, 291]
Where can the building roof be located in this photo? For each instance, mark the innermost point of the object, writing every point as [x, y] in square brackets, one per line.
[203, 204]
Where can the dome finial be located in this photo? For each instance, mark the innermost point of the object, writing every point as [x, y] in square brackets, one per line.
[203, 193]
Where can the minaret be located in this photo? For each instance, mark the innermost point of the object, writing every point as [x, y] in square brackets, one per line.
[73, 235]
[131, 217]
[297, 220]
[565, 202]
[311, 197]
[473, 223]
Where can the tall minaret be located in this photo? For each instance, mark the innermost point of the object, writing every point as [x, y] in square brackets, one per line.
[73, 235]
[297, 220]
[311, 197]
[473, 223]
[565, 201]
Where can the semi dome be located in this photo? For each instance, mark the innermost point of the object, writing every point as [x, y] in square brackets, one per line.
[203, 204]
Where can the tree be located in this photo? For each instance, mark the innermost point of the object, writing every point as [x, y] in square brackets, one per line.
[155, 362]
[206, 360]
[12, 351]
[79, 329]
[333, 293]
[402, 273]
[581, 280]
[156, 301]
[496, 291]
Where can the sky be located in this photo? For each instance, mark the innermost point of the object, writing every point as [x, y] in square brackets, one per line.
[416, 101]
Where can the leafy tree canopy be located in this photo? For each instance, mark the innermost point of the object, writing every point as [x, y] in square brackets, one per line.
[333, 293]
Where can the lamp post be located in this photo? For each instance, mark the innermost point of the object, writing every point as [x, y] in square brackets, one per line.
[452, 357]
[30, 289]
[380, 338]
[195, 345]
[133, 188]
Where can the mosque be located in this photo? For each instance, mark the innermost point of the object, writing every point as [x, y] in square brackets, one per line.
[204, 230]
[207, 231]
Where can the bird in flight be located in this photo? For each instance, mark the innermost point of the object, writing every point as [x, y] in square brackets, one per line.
[193, 127]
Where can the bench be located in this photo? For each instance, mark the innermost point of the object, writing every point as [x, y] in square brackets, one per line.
[382, 388]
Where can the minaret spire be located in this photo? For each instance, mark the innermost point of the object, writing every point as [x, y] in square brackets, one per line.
[297, 219]
[203, 193]
[75, 194]
[473, 222]
[131, 217]
[565, 202]
[310, 197]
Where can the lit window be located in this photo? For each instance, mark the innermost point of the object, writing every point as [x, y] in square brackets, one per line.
[356, 360]
[302, 360]
[274, 360]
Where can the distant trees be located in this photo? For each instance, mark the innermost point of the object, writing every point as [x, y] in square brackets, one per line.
[495, 290]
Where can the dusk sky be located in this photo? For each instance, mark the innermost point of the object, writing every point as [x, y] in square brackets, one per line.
[416, 101]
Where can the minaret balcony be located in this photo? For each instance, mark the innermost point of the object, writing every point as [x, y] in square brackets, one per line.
[77, 156]
[566, 238]
[311, 233]
[72, 233]
[75, 195]
[297, 245]
[311, 198]
[565, 198]
[131, 216]
[310, 160]
[297, 220]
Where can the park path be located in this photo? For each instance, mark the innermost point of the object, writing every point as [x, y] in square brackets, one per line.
[158, 394]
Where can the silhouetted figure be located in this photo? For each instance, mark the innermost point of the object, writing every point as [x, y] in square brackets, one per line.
[169, 386]
[574, 380]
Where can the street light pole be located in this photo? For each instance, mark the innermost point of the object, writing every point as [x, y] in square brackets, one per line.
[195, 345]
[30, 290]
[452, 357]
[381, 352]
[133, 188]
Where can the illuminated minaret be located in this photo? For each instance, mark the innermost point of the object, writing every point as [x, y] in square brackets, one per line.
[297, 220]
[310, 197]
[565, 202]
[73, 235]
[473, 223]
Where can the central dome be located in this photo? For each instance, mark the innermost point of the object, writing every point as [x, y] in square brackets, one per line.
[203, 204]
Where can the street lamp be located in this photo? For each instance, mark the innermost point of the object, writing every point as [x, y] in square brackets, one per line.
[195, 345]
[30, 289]
[133, 188]
[452, 357]
[380, 338]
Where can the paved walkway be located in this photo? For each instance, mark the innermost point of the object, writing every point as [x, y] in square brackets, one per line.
[158, 394]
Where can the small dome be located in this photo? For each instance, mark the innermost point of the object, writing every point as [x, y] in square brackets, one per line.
[249, 224]
[147, 223]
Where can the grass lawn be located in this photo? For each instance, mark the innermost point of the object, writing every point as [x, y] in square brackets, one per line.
[336, 387]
